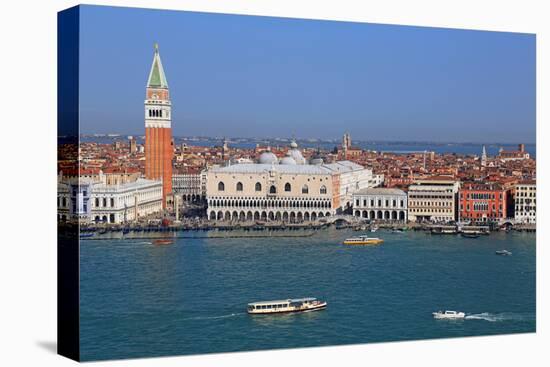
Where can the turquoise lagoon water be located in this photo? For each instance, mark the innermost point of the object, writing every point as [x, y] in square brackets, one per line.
[140, 300]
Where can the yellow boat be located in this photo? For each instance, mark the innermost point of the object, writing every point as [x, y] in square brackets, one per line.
[363, 240]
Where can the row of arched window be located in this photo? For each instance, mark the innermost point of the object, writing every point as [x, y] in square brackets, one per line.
[104, 202]
[216, 203]
[292, 217]
[272, 188]
[393, 214]
[155, 113]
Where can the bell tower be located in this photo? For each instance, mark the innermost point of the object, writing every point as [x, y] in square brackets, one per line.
[158, 128]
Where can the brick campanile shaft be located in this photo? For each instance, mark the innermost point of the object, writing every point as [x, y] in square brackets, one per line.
[159, 150]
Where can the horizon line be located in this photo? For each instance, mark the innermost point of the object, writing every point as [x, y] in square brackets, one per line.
[327, 140]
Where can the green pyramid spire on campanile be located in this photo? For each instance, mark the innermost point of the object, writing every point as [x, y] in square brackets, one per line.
[157, 78]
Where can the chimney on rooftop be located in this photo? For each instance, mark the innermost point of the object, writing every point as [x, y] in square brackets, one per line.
[521, 148]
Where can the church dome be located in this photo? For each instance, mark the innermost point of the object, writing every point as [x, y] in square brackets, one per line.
[297, 156]
[268, 157]
[295, 153]
[317, 158]
[288, 160]
[317, 161]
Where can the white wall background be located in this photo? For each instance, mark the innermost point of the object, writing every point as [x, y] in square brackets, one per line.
[28, 181]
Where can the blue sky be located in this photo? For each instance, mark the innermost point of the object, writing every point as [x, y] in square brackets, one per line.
[245, 76]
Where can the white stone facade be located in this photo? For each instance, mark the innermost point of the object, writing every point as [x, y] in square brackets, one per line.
[113, 204]
[433, 200]
[380, 204]
[73, 200]
[269, 192]
[188, 185]
[352, 178]
[525, 210]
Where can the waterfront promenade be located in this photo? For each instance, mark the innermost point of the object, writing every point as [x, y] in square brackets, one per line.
[266, 229]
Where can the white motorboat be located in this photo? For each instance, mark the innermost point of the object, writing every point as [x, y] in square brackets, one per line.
[503, 252]
[448, 315]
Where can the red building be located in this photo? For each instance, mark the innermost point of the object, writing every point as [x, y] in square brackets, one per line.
[514, 154]
[159, 149]
[482, 203]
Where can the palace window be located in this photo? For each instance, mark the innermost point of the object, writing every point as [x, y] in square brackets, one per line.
[239, 186]
[221, 186]
[323, 190]
[305, 189]
[258, 186]
[287, 187]
[272, 189]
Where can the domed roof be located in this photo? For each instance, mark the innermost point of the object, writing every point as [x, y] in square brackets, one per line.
[295, 153]
[268, 157]
[317, 160]
[288, 160]
[298, 157]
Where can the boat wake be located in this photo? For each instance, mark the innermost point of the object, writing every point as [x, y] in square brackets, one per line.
[496, 317]
[215, 317]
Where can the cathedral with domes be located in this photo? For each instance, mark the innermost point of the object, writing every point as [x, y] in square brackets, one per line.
[292, 157]
[288, 189]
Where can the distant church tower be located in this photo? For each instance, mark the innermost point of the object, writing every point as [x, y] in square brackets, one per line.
[346, 144]
[225, 149]
[158, 128]
[484, 157]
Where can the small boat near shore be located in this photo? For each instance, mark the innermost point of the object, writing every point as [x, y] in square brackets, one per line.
[448, 315]
[286, 306]
[87, 234]
[363, 240]
[470, 235]
[443, 231]
[503, 252]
